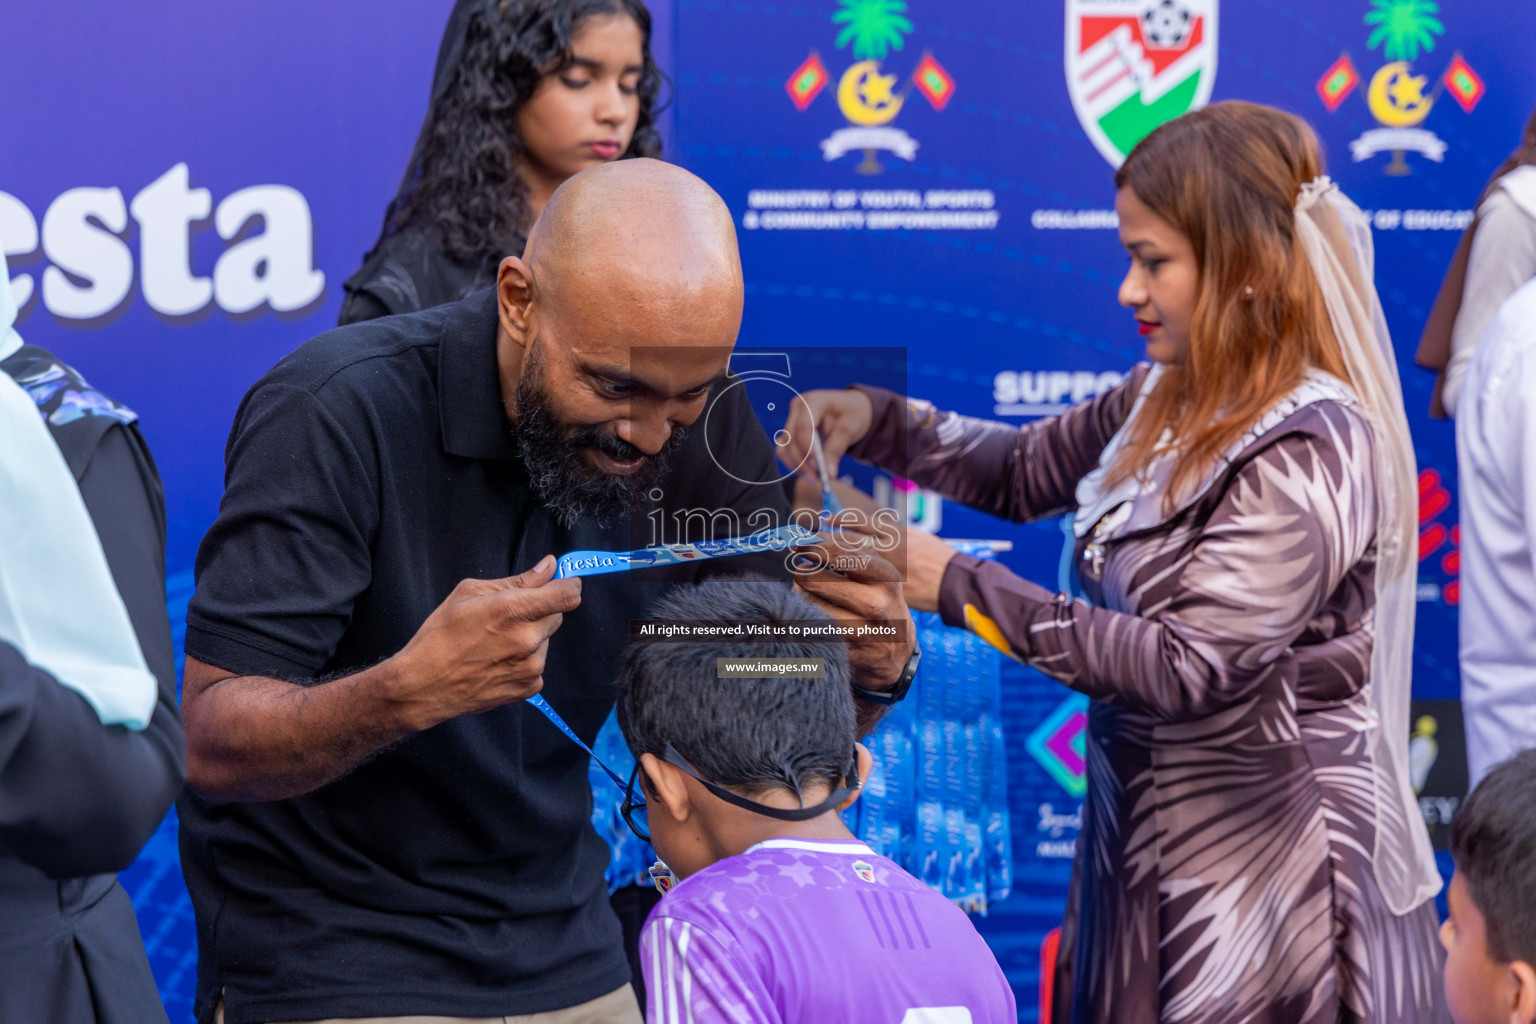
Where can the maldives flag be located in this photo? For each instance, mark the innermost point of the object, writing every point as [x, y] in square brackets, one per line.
[1463, 83]
[807, 81]
[933, 81]
[1338, 82]
[1132, 66]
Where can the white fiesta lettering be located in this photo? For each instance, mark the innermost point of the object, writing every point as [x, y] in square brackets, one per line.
[268, 260]
[591, 563]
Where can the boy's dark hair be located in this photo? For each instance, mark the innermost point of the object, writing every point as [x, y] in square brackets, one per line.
[1493, 841]
[751, 735]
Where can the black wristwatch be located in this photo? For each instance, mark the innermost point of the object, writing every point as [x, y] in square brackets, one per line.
[903, 682]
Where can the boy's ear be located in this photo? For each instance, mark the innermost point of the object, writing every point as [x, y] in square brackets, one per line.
[666, 786]
[1524, 977]
[866, 763]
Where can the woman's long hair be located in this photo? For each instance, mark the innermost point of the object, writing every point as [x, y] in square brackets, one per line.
[1227, 176]
[462, 186]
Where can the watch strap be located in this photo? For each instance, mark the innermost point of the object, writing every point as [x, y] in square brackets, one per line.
[898, 690]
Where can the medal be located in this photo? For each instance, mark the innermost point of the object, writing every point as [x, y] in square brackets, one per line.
[662, 878]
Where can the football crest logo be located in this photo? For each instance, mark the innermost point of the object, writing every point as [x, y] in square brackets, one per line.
[864, 869]
[1134, 64]
[662, 878]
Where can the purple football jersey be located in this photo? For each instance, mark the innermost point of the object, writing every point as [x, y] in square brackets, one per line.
[813, 932]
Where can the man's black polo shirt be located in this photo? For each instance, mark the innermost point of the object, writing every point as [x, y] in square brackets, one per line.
[455, 873]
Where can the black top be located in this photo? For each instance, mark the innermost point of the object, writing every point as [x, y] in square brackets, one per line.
[456, 873]
[78, 799]
[408, 271]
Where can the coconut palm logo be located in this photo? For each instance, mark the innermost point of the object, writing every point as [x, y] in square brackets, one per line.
[1405, 26]
[1399, 99]
[868, 96]
[874, 27]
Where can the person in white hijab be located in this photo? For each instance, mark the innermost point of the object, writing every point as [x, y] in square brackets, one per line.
[1481, 332]
[91, 748]
[1496, 468]
[1496, 256]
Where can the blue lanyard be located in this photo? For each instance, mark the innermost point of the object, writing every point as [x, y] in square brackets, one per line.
[596, 563]
[538, 701]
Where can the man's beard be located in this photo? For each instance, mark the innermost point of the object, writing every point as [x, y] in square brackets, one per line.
[563, 475]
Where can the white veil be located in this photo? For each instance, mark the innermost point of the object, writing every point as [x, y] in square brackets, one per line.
[1336, 238]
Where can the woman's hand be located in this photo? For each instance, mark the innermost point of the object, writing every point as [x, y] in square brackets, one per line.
[807, 501]
[923, 558]
[918, 555]
[842, 417]
[849, 579]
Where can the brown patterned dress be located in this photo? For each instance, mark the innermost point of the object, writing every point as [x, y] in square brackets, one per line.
[1224, 873]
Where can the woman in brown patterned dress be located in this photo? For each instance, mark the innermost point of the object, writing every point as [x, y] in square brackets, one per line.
[1248, 853]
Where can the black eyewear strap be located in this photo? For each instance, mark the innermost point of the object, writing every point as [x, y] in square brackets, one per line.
[671, 756]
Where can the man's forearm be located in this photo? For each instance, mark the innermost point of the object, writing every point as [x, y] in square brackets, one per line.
[251, 738]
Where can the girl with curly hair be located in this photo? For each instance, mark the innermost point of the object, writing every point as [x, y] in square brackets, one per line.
[526, 94]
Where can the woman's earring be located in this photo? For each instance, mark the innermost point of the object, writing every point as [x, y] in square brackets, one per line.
[1248, 291]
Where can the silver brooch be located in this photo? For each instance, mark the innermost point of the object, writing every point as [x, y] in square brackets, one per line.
[1093, 551]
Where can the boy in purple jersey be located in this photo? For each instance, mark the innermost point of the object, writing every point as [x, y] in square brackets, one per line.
[781, 915]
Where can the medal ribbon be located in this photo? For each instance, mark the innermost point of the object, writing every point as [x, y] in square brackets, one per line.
[597, 563]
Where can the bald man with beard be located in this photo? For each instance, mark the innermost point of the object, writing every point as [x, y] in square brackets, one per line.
[377, 825]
